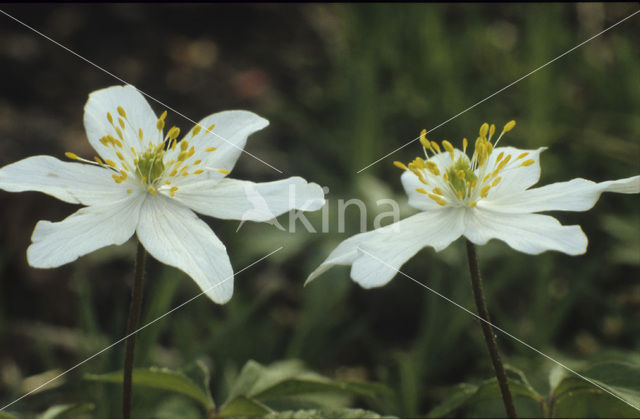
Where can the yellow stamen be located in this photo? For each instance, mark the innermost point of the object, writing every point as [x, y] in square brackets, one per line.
[496, 181]
[129, 190]
[210, 149]
[484, 128]
[527, 163]
[432, 167]
[211, 127]
[435, 146]
[447, 146]
[110, 118]
[197, 172]
[509, 126]
[438, 199]
[97, 160]
[437, 191]
[423, 139]
[110, 163]
[472, 204]
[121, 111]
[140, 133]
[460, 174]
[72, 155]
[184, 145]
[197, 162]
[422, 191]
[223, 171]
[492, 130]
[398, 164]
[465, 143]
[485, 191]
[152, 190]
[173, 190]
[173, 133]
[196, 130]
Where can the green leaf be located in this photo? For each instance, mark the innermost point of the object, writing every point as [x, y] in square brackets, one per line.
[65, 410]
[160, 378]
[469, 394]
[458, 397]
[244, 406]
[574, 395]
[324, 413]
[287, 385]
[295, 386]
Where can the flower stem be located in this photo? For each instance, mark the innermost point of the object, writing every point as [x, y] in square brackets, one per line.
[132, 324]
[489, 337]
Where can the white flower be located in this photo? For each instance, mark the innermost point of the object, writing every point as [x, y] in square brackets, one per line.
[150, 184]
[482, 198]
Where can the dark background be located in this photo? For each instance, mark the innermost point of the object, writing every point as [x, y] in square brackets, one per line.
[342, 85]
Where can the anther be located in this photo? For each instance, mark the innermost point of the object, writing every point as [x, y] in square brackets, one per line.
[484, 128]
[527, 163]
[447, 146]
[423, 139]
[196, 130]
[509, 126]
[121, 111]
[396, 164]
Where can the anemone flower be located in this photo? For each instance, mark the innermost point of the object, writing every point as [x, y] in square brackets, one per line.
[487, 196]
[146, 182]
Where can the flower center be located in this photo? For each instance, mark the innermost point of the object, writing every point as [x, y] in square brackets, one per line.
[150, 166]
[451, 178]
[158, 167]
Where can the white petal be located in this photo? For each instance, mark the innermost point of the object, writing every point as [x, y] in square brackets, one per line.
[233, 199]
[417, 200]
[174, 235]
[84, 231]
[528, 233]
[75, 183]
[574, 195]
[382, 257]
[377, 256]
[515, 177]
[229, 136]
[139, 115]
[344, 254]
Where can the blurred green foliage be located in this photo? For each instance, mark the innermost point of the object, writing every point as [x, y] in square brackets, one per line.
[342, 86]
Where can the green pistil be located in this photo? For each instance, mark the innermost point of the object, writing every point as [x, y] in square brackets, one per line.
[459, 183]
[150, 166]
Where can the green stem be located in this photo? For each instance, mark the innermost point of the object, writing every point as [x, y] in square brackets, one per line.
[489, 337]
[132, 325]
